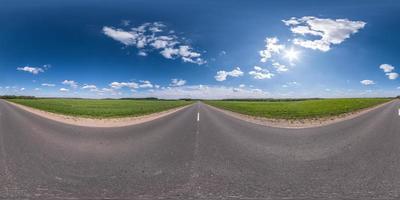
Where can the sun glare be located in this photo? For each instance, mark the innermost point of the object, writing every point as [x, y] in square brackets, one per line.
[291, 54]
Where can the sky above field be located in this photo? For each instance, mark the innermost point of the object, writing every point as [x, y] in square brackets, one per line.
[200, 49]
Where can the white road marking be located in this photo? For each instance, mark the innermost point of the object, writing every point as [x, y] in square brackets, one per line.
[399, 111]
[198, 116]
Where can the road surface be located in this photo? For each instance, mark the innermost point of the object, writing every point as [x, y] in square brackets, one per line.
[200, 153]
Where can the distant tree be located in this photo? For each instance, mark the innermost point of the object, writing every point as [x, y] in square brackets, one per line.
[16, 97]
[143, 98]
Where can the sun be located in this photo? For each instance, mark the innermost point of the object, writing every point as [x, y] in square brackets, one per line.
[291, 54]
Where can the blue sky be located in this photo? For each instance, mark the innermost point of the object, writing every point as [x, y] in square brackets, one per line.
[200, 49]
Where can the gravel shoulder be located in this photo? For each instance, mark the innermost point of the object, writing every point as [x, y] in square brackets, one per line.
[298, 124]
[89, 122]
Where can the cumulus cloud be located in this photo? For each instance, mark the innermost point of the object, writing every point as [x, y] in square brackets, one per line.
[392, 75]
[177, 82]
[145, 84]
[119, 85]
[64, 90]
[150, 37]
[271, 47]
[48, 84]
[142, 53]
[386, 68]
[70, 83]
[260, 73]
[32, 70]
[328, 31]
[367, 82]
[279, 67]
[222, 75]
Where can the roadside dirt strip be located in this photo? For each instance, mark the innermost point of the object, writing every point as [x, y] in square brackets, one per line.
[89, 122]
[297, 124]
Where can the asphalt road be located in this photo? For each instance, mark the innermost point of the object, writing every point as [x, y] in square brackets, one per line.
[215, 157]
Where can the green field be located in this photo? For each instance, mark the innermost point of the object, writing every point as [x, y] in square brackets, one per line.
[91, 108]
[303, 109]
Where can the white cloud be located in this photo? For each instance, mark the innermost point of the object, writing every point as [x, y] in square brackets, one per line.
[120, 35]
[145, 84]
[150, 37]
[386, 68]
[222, 75]
[142, 53]
[392, 75]
[48, 84]
[70, 83]
[64, 90]
[169, 52]
[22, 89]
[33, 70]
[329, 31]
[205, 92]
[271, 47]
[367, 82]
[279, 67]
[92, 88]
[119, 85]
[177, 82]
[260, 73]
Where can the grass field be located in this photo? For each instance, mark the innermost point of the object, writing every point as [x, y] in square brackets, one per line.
[100, 108]
[306, 109]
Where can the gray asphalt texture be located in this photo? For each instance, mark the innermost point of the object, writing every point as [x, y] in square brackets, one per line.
[218, 157]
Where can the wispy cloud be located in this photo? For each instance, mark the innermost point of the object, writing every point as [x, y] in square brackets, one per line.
[154, 36]
[32, 70]
[70, 83]
[90, 87]
[367, 82]
[279, 67]
[177, 82]
[48, 84]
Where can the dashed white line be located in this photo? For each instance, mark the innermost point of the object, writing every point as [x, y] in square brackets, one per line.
[198, 116]
[399, 111]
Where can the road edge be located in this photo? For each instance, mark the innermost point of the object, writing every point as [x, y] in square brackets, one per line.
[97, 123]
[299, 124]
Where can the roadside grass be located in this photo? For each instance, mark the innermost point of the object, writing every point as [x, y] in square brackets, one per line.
[90, 108]
[302, 109]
